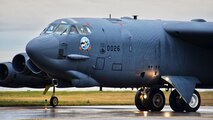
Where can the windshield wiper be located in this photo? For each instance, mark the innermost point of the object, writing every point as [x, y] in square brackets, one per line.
[64, 31]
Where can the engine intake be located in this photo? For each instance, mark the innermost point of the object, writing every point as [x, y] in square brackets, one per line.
[19, 63]
[6, 71]
[22, 64]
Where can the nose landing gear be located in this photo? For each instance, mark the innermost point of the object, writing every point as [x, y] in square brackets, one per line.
[53, 100]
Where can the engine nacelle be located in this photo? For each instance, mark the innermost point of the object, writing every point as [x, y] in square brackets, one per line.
[6, 73]
[33, 68]
[22, 64]
[10, 78]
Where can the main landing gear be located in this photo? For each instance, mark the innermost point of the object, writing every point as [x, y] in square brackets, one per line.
[149, 99]
[153, 99]
[177, 103]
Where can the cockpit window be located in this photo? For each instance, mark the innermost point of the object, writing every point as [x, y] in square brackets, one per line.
[83, 30]
[62, 29]
[51, 28]
[73, 30]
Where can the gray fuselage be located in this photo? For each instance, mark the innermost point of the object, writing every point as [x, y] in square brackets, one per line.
[123, 53]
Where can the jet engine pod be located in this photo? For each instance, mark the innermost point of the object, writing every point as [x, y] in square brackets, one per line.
[9, 78]
[6, 72]
[33, 68]
[19, 63]
[22, 64]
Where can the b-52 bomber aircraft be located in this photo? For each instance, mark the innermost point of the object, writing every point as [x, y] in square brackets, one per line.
[120, 53]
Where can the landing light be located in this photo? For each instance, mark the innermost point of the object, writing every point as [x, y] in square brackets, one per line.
[152, 73]
[145, 96]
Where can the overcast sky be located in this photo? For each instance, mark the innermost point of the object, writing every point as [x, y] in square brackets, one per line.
[22, 20]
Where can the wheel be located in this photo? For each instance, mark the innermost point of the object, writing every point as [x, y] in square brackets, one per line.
[139, 101]
[156, 100]
[194, 104]
[54, 101]
[176, 102]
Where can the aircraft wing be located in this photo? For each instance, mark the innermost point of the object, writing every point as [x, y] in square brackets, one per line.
[198, 33]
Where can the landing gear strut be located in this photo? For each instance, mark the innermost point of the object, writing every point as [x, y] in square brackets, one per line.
[54, 100]
[149, 99]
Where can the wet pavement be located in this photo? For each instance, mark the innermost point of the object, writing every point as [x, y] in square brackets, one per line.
[99, 113]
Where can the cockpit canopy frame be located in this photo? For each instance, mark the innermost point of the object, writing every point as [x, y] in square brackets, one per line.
[67, 29]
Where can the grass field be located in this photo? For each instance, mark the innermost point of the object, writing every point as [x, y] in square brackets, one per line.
[35, 98]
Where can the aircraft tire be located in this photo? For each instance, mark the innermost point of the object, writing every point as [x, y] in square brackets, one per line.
[194, 104]
[54, 101]
[175, 102]
[139, 101]
[156, 100]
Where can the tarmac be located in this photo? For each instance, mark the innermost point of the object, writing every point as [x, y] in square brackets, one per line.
[99, 113]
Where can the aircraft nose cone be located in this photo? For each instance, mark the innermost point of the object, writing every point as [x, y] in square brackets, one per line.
[32, 47]
[42, 47]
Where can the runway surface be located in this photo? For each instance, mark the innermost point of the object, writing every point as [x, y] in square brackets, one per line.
[99, 113]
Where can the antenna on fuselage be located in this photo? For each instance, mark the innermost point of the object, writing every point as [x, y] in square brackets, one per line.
[110, 16]
[135, 17]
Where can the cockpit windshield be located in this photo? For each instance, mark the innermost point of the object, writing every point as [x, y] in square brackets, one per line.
[51, 28]
[67, 29]
[73, 30]
[83, 30]
[62, 29]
